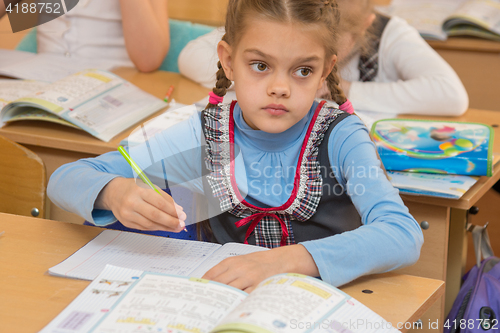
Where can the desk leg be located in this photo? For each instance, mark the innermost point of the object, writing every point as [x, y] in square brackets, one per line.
[457, 256]
[54, 158]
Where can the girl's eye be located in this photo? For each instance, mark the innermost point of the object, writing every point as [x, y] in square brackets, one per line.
[303, 72]
[259, 67]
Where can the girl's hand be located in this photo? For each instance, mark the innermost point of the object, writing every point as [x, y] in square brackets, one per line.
[245, 272]
[141, 207]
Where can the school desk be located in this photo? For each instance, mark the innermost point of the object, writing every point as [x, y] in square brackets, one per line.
[30, 298]
[444, 250]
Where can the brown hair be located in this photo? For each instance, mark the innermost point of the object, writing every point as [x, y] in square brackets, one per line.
[321, 12]
[352, 20]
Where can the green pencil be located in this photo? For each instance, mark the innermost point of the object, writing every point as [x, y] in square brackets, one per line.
[138, 170]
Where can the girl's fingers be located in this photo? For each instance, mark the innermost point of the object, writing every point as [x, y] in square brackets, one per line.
[141, 222]
[164, 203]
[160, 217]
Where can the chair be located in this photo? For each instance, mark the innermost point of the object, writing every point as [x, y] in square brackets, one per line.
[22, 180]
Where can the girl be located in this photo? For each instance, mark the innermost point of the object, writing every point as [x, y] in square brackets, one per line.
[384, 64]
[279, 170]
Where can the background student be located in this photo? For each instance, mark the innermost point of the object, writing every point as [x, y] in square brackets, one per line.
[126, 32]
[385, 65]
[338, 224]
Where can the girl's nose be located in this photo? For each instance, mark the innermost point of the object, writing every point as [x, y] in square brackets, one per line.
[279, 86]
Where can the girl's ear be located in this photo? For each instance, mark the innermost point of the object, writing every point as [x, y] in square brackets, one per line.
[224, 51]
[329, 64]
[369, 21]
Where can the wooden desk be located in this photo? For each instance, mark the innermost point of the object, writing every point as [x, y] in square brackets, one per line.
[444, 251]
[30, 298]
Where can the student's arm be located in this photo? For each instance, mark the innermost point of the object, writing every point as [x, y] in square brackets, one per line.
[415, 78]
[103, 189]
[389, 238]
[146, 32]
[198, 59]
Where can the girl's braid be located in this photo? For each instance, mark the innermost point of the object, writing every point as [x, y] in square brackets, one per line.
[221, 85]
[333, 84]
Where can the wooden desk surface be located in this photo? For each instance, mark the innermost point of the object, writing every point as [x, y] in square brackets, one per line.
[30, 298]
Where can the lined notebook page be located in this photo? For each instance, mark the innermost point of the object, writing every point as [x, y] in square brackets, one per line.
[226, 251]
[135, 251]
[94, 302]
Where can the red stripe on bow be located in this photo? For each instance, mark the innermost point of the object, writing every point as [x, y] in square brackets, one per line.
[255, 218]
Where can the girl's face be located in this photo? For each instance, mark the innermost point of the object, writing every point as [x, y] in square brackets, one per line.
[276, 69]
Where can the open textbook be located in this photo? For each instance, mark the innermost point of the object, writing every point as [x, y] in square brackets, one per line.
[96, 101]
[438, 19]
[147, 253]
[125, 300]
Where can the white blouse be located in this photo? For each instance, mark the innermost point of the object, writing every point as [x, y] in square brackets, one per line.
[92, 30]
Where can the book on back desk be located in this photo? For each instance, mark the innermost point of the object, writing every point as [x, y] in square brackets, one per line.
[439, 19]
[96, 101]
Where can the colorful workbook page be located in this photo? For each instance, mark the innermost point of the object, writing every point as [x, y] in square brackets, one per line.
[436, 185]
[146, 253]
[98, 102]
[94, 302]
[442, 147]
[439, 19]
[10, 90]
[126, 300]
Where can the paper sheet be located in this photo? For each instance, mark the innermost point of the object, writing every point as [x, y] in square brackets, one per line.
[439, 185]
[226, 251]
[12, 57]
[307, 300]
[11, 89]
[171, 304]
[137, 251]
[354, 317]
[49, 67]
[94, 302]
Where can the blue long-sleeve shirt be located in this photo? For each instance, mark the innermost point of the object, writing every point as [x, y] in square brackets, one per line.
[389, 237]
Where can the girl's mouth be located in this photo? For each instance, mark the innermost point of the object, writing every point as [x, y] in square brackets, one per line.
[275, 109]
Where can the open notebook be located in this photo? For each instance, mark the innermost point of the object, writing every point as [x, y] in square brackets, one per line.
[147, 253]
